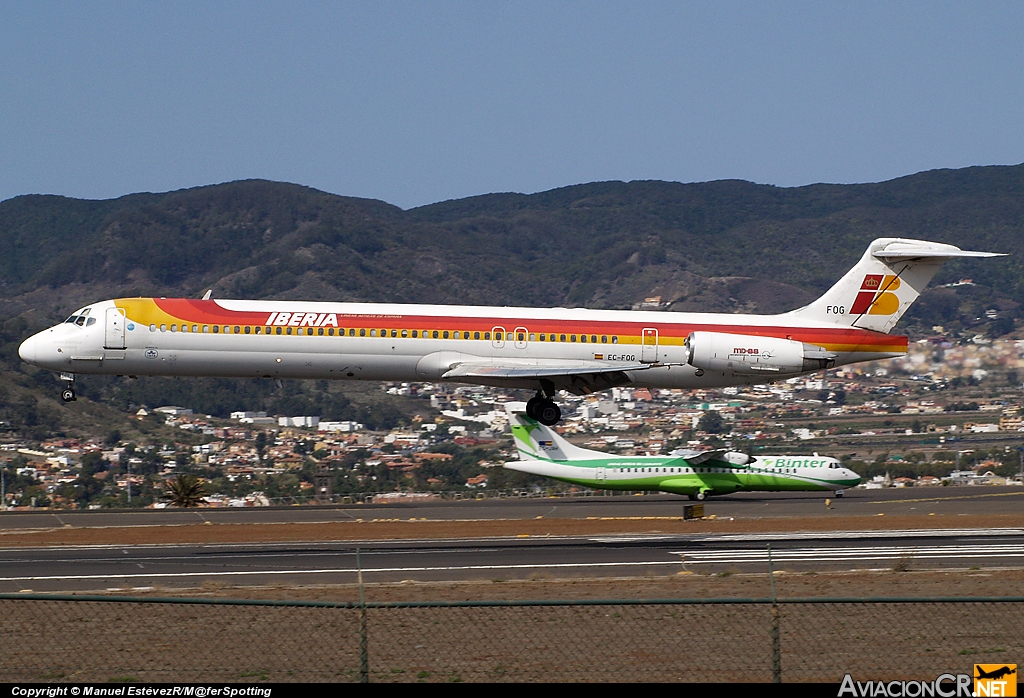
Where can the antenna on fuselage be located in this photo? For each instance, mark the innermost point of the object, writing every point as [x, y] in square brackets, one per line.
[207, 295]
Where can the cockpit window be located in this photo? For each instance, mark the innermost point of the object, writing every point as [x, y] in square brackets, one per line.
[79, 318]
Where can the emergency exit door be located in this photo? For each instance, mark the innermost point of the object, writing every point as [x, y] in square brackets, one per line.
[649, 345]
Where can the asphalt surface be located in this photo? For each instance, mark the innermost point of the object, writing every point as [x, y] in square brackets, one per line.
[90, 568]
[856, 502]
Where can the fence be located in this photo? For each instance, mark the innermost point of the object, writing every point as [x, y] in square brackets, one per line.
[88, 639]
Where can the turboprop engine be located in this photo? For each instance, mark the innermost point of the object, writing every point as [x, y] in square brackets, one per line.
[744, 353]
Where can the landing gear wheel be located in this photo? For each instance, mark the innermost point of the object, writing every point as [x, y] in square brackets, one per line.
[68, 395]
[693, 497]
[531, 407]
[548, 413]
[700, 496]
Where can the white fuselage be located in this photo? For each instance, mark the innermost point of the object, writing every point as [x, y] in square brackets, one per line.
[286, 339]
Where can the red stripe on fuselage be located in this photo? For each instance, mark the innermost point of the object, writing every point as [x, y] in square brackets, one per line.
[210, 312]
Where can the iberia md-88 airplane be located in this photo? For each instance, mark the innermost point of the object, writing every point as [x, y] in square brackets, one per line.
[542, 349]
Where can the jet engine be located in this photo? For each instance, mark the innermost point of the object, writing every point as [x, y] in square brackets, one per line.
[749, 354]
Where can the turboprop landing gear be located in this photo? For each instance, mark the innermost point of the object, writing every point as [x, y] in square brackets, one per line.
[544, 410]
[68, 393]
[699, 496]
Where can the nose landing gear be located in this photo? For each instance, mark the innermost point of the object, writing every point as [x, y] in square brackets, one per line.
[68, 393]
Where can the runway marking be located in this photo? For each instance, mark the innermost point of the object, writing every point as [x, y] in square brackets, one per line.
[946, 499]
[814, 535]
[352, 570]
[850, 554]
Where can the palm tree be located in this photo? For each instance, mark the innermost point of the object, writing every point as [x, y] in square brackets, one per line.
[185, 491]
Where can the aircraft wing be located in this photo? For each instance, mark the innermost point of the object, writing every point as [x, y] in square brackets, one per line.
[695, 457]
[579, 378]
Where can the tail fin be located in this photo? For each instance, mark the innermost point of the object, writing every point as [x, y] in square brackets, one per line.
[890, 276]
[534, 441]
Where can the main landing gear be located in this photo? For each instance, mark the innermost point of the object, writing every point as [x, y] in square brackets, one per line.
[544, 410]
[68, 393]
[699, 496]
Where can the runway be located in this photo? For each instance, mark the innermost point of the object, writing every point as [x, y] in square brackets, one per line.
[912, 501]
[90, 568]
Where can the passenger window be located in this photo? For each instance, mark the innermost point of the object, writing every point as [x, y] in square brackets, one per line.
[521, 337]
[163, 328]
[216, 329]
[533, 337]
[561, 338]
[615, 340]
[248, 329]
[405, 333]
[362, 332]
[542, 336]
[455, 334]
[320, 331]
[593, 338]
[415, 333]
[352, 332]
[373, 333]
[583, 338]
[497, 336]
[394, 333]
[487, 335]
[330, 331]
[288, 330]
[476, 335]
[238, 329]
[604, 339]
[309, 331]
[278, 331]
[434, 334]
[226, 329]
[206, 328]
[445, 334]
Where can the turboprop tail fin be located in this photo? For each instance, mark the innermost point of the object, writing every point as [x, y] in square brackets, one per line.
[888, 278]
[534, 441]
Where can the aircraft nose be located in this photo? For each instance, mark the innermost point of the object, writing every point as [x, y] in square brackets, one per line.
[28, 349]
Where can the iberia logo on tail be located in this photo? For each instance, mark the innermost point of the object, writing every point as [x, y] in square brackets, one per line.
[875, 296]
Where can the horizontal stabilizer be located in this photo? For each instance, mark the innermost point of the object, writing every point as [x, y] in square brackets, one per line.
[920, 249]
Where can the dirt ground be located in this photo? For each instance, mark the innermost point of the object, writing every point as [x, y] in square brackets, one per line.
[859, 584]
[389, 529]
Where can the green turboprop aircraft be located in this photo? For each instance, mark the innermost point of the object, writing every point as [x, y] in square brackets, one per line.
[697, 474]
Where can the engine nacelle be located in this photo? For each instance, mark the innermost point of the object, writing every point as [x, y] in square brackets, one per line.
[749, 354]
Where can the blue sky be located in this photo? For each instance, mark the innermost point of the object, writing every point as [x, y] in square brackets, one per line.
[419, 102]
